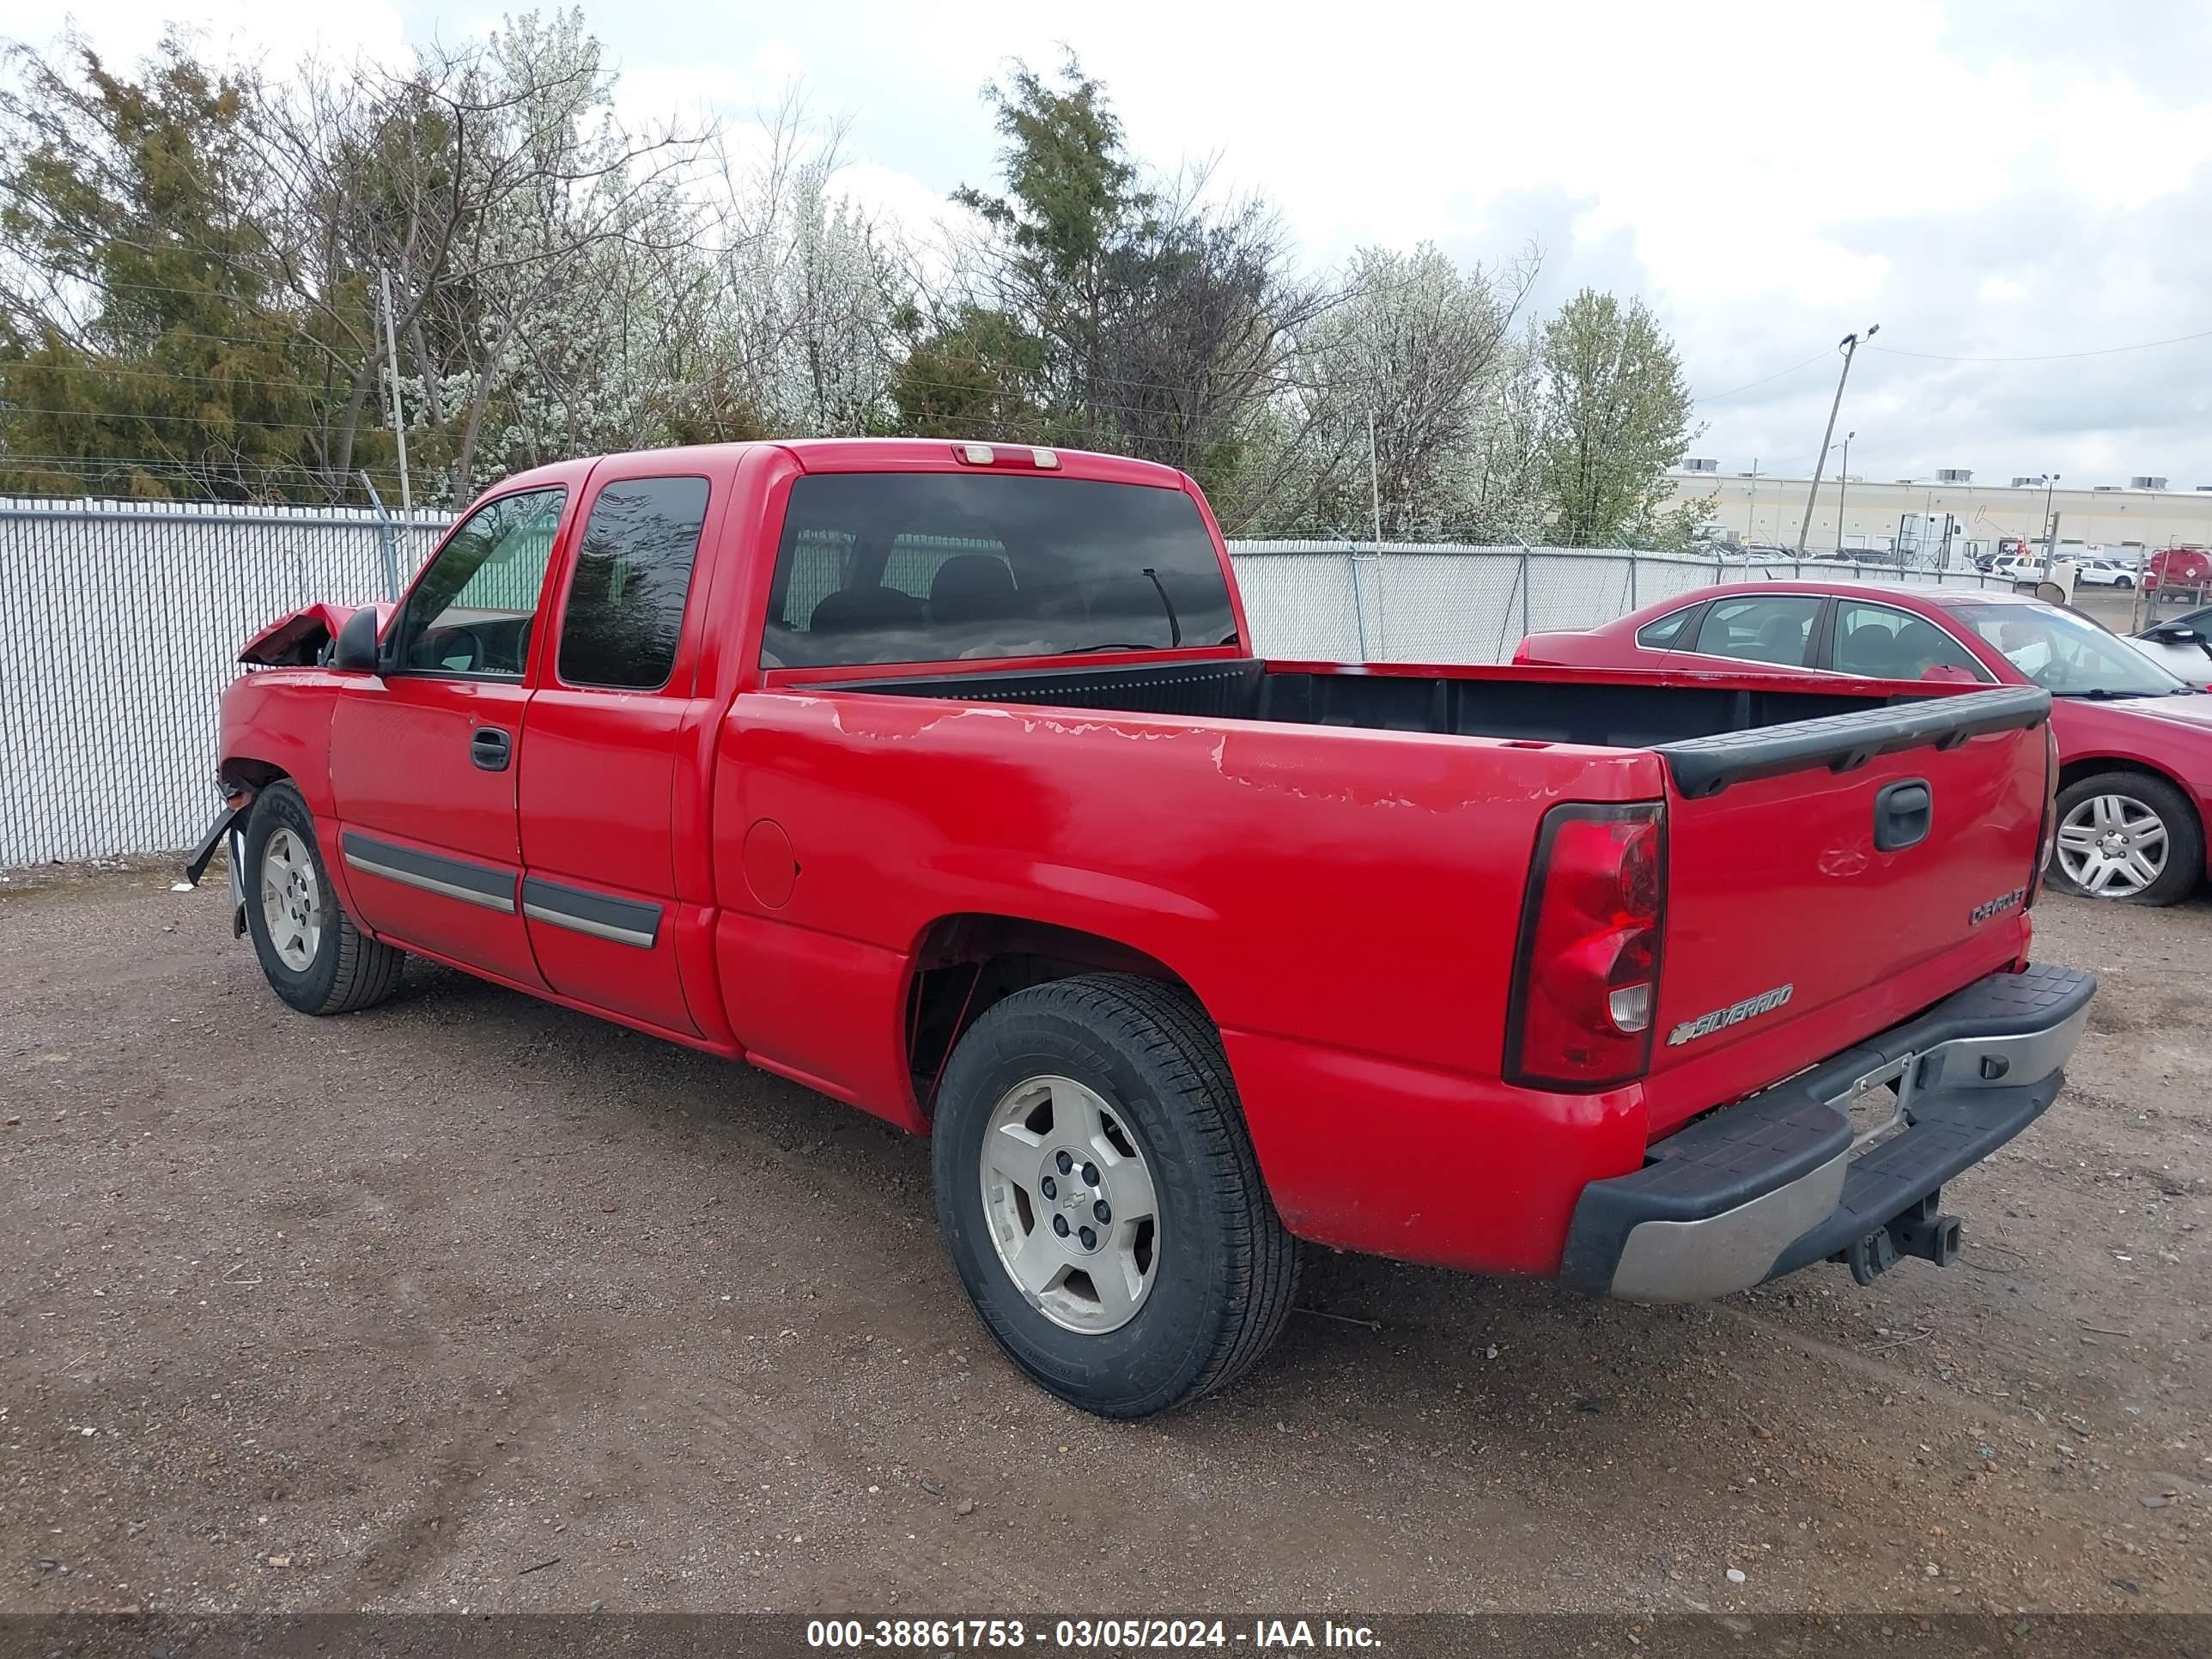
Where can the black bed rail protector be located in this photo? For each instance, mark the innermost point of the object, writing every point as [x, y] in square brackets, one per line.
[1217, 687]
[1841, 743]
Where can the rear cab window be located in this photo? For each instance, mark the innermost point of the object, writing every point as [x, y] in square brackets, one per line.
[907, 567]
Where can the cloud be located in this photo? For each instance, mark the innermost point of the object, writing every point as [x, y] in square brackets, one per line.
[280, 35]
[1983, 177]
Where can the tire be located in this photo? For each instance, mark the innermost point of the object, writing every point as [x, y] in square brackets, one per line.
[2101, 820]
[322, 963]
[2124, 581]
[1137, 1094]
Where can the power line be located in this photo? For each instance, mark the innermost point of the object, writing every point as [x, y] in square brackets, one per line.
[1749, 385]
[2047, 356]
[205, 377]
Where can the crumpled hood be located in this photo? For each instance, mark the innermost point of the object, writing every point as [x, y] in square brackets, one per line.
[296, 639]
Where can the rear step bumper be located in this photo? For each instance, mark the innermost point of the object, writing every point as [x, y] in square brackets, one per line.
[1766, 1185]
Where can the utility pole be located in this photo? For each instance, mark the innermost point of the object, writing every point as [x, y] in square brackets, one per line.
[398, 426]
[1751, 505]
[1375, 475]
[1849, 346]
[2050, 523]
[1843, 483]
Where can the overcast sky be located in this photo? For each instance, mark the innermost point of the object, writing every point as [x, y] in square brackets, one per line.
[1993, 178]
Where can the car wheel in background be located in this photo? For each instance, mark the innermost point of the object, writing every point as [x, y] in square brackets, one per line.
[312, 955]
[1100, 1198]
[2127, 835]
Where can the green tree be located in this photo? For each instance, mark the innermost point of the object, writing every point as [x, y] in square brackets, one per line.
[1072, 214]
[976, 377]
[1162, 318]
[1617, 415]
[140, 352]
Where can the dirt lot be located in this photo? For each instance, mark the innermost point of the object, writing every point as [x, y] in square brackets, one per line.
[470, 1302]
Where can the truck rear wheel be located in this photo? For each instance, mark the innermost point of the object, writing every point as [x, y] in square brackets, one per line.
[312, 955]
[1100, 1198]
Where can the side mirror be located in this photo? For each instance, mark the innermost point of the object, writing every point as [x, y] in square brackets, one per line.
[1948, 673]
[2175, 634]
[356, 650]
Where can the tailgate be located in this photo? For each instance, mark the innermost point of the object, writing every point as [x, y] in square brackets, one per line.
[1829, 877]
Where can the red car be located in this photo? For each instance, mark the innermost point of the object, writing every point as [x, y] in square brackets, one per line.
[2135, 742]
[939, 778]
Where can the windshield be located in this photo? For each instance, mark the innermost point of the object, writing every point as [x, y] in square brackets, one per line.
[2068, 655]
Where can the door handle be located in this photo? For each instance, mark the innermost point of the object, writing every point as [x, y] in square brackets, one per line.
[1902, 814]
[490, 748]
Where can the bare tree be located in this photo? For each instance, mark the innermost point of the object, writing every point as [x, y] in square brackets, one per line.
[810, 283]
[1198, 342]
[1400, 387]
[530, 236]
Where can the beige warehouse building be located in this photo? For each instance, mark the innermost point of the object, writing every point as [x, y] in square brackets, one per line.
[2113, 521]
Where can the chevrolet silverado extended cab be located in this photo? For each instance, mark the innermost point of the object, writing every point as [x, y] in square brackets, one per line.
[943, 779]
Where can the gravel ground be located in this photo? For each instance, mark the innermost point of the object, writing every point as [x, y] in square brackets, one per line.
[472, 1303]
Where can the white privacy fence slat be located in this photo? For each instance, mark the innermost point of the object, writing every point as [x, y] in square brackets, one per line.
[1412, 602]
[120, 623]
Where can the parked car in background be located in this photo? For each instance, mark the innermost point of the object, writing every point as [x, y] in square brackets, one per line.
[2103, 573]
[2135, 740]
[2182, 645]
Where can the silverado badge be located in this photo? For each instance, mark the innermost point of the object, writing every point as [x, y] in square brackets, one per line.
[1734, 1014]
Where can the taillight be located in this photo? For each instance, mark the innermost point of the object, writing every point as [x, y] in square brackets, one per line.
[1586, 974]
[2047, 839]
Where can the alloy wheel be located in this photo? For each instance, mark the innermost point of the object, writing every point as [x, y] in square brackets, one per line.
[1071, 1205]
[2112, 846]
[291, 899]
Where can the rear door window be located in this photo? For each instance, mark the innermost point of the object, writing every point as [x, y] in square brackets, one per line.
[1764, 629]
[879, 567]
[633, 573]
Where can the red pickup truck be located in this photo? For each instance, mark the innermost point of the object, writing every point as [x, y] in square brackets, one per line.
[941, 778]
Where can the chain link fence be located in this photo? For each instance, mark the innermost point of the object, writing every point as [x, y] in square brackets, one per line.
[120, 623]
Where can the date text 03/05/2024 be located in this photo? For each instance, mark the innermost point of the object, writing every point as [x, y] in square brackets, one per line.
[1117, 1635]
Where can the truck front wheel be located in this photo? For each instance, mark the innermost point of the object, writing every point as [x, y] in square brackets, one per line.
[1100, 1198]
[312, 955]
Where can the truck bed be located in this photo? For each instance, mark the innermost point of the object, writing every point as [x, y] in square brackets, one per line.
[1783, 900]
[1712, 730]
